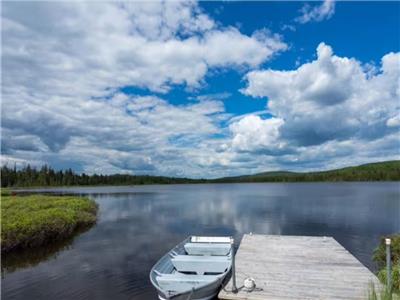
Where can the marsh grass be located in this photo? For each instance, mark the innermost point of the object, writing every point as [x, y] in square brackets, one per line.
[380, 259]
[383, 293]
[32, 221]
[5, 192]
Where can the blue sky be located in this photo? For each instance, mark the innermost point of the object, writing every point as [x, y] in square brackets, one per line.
[200, 89]
[366, 31]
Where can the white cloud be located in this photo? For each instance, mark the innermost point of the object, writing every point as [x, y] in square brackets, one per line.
[164, 19]
[288, 27]
[124, 134]
[330, 98]
[84, 48]
[328, 113]
[394, 121]
[65, 63]
[253, 134]
[316, 13]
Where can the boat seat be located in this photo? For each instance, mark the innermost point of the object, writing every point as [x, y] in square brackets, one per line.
[207, 248]
[201, 264]
[182, 282]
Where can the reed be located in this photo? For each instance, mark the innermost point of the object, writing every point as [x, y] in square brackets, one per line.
[382, 293]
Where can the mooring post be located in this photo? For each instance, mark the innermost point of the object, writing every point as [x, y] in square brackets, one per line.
[234, 288]
[388, 265]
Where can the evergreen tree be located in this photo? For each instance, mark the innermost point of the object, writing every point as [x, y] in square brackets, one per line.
[46, 176]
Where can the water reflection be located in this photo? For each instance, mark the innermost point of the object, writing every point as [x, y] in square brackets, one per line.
[138, 224]
[24, 258]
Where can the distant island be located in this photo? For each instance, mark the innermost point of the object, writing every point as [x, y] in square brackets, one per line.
[46, 176]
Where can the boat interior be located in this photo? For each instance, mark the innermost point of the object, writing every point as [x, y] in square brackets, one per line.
[196, 262]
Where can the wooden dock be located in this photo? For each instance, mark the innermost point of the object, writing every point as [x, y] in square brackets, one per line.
[298, 267]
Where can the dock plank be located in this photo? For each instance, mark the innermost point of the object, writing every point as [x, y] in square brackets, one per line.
[298, 267]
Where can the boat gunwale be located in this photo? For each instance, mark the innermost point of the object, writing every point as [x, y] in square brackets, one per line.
[167, 256]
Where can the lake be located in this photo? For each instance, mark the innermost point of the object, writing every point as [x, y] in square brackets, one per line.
[138, 224]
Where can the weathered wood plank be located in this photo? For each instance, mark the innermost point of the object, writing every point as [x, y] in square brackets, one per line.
[298, 267]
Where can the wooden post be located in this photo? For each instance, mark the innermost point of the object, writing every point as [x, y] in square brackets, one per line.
[388, 266]
[234, 288]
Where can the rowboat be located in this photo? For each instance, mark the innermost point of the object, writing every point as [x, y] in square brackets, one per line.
[195, 269]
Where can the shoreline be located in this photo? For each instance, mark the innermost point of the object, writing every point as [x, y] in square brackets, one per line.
[46, 176]
[28, 188]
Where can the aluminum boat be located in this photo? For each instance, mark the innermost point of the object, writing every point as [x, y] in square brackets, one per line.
[195, 269]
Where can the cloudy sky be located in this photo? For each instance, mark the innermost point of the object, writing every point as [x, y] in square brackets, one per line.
[200, 89]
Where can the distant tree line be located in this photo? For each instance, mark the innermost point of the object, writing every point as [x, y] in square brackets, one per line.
[46, 176]
[381, 171]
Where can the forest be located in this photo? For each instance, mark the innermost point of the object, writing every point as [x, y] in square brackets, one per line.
[46, 176]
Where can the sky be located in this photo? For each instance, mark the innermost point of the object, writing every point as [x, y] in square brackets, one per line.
[199, 89]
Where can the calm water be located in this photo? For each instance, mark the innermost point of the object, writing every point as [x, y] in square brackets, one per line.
[139, 224]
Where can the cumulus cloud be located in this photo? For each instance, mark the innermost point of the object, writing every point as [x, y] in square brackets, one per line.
[316, 13]
[111, 133]
[331, 107]
[64, 64]
[254, 134]
[394, 121]
[331, 98]
[86, 48]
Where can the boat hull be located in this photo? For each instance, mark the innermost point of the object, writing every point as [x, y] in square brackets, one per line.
[204, 292]
[185, 297]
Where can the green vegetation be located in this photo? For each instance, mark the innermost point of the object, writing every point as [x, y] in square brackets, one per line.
[385, 292]
[46, 176]
[382, 294]
[395, 272]
[380, 258]
[5, 192]
[381, 171]
[31, 221]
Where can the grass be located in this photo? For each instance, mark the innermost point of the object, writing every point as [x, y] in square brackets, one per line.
[5, 192]
[382, 294]
[385, 292]
[380, 258]
[36, 220]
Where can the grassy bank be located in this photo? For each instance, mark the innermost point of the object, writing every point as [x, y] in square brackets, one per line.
[32, 221]
[380, 259]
